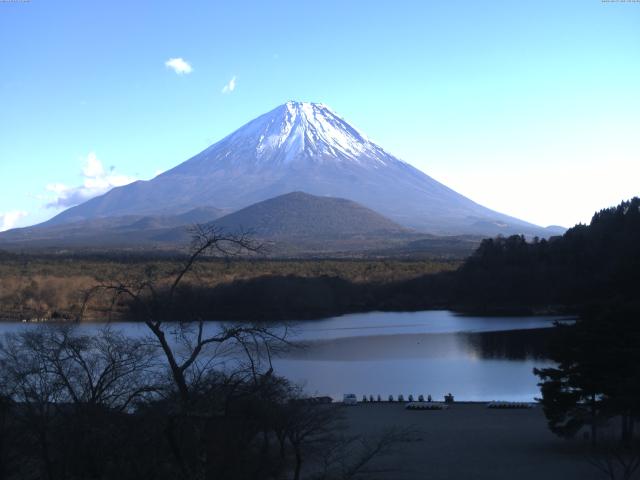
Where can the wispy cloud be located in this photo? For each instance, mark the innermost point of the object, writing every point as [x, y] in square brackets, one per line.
[97, 180]
[231, 86]
[178, 65]
[8, 220]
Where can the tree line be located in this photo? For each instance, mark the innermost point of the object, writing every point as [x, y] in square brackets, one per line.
[594, 389]
[588, 265]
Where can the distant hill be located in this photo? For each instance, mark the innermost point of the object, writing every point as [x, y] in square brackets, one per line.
[197, 215]
[299, 214]
[300, 224]
[107, 232]
[292, 225]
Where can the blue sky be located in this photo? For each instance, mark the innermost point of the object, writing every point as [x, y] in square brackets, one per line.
[530, 108]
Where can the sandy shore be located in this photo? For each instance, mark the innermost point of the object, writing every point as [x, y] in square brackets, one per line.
[472, 442]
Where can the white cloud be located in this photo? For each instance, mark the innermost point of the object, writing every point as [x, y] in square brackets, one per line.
[92, 167]
[9, 219]
[178, 65]
[96, 182]
[231, 86]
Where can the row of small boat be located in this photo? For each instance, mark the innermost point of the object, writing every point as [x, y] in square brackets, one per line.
[426, 406]
[509, 405]
[399, 399]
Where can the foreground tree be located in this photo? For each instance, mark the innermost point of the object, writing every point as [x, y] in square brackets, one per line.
[66, 389]
[189, 400]
[598, 373]
[573, 392]
[241, 352]
[185, 342]
[614, 460]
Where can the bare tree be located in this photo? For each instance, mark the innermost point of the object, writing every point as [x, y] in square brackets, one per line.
[615, 460]
[352, 457]
[105, 369]
[59, 378]
[308, 426]
[8, 436]
[191, 338]
[192, 348]
[227, 399]
[29, 382]
[320, 447]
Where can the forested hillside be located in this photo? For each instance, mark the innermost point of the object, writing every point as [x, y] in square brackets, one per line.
[588, 264]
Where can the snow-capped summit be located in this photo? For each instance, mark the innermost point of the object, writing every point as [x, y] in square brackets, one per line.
[305, 147]
[298, 129]
[295, 133]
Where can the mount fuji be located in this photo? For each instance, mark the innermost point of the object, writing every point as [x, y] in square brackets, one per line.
[301, 147]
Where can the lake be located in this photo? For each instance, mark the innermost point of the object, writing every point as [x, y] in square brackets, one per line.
[390, 353]
[431, 352]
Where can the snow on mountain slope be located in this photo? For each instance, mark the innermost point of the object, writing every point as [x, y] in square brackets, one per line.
[291, 135]
[313, 131]
[305, 147]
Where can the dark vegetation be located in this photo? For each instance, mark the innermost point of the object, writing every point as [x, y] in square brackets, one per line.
[75, 406]
[106, 407]
[49, 286]
[185, 401]
[589, 264]
[598, 373]
[512, 344]
[594, 271]
[595, 387]
[586, 266]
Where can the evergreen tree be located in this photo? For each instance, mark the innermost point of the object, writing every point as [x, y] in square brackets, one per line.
[573, 392]
[598, 372]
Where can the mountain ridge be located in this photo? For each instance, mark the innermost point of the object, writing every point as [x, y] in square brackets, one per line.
[294, 224]
[301, 146]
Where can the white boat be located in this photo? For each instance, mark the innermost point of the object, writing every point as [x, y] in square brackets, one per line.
[349, 399]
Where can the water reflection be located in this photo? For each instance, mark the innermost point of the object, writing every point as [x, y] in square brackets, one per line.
[432, 321]
[508, 345]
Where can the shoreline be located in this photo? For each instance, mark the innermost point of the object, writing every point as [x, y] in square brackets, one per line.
[570, 312]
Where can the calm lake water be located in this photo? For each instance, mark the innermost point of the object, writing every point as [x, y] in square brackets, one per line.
[432, 352]
[390, 353]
